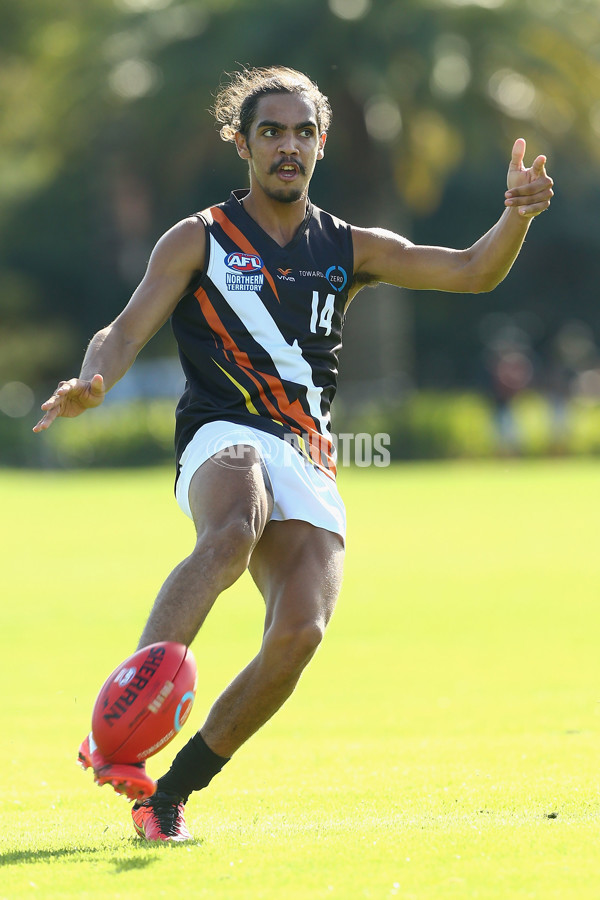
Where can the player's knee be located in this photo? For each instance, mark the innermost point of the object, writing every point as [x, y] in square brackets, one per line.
[293, 645]
[227, 549]
[308, 638]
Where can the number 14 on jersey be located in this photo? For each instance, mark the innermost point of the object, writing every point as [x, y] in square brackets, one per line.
[324, 319]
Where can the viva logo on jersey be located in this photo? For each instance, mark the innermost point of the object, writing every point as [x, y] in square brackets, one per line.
[245, 272]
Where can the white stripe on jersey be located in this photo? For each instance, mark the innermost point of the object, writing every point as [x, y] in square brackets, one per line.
[287, 358]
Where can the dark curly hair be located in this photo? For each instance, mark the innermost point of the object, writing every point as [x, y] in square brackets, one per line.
[235, 103]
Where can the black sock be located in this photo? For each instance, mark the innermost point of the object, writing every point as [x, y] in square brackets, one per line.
[192, 769]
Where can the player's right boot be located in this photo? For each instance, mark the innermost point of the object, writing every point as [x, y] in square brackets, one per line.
[160, 818]
[129, 779]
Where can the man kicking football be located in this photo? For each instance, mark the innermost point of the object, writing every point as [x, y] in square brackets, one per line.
[259, 349]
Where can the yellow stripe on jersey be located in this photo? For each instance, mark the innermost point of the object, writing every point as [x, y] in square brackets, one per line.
[248, 400]
[304, 449]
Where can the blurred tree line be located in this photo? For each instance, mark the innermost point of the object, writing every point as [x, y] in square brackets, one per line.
[105, 141]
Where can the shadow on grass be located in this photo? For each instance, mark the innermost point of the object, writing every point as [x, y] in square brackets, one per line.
[87, 854]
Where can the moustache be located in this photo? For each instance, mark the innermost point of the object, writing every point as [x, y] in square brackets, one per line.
[287, 162]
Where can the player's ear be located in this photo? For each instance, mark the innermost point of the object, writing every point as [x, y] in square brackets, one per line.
[321, 150]
[241, 144]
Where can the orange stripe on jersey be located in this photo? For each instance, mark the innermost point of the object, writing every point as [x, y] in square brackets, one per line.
[242, 241]
[286, 410]
[240, 358]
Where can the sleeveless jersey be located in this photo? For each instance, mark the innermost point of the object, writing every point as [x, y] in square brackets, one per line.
[259, 331]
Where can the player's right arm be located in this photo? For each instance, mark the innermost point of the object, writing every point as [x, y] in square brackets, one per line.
[175, 260]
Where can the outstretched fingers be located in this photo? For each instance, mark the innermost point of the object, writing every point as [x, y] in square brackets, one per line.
[70, 399]
[46, 421]
[63, 388]
[52, 406]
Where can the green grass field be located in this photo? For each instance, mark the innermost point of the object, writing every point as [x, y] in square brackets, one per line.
[444, 743]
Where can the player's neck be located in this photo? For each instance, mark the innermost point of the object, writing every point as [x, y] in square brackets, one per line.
[279, 220]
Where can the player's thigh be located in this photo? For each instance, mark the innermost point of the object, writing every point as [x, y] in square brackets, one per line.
[235, 493]
[298, 569]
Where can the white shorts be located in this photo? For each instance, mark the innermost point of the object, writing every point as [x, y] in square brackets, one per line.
[300, 490]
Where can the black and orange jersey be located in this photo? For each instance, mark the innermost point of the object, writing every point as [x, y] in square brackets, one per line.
[259, 331]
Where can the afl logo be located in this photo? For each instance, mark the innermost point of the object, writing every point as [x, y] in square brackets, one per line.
[125, 676]
[243, 263]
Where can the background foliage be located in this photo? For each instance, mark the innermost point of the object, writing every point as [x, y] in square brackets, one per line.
[105, 141]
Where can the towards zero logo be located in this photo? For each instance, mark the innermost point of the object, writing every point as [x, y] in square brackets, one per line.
[337, 277]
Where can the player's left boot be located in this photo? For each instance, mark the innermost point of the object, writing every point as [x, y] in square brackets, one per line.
[160, 818]
[129, 779]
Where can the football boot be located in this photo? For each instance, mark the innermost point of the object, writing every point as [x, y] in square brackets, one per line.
[129, 779]
[160, 818]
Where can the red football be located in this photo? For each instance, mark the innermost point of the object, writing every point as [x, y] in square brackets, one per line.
[145, 702]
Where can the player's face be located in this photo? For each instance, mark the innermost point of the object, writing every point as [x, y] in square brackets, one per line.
[283, 146]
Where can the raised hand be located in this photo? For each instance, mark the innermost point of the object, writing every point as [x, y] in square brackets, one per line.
[529, 190]
[70, 399]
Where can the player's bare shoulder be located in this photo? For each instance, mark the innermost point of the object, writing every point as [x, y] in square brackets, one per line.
[182, 247]
[175, 262]
[372, 250]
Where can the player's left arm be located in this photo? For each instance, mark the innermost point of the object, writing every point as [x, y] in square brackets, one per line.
[382, 256]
